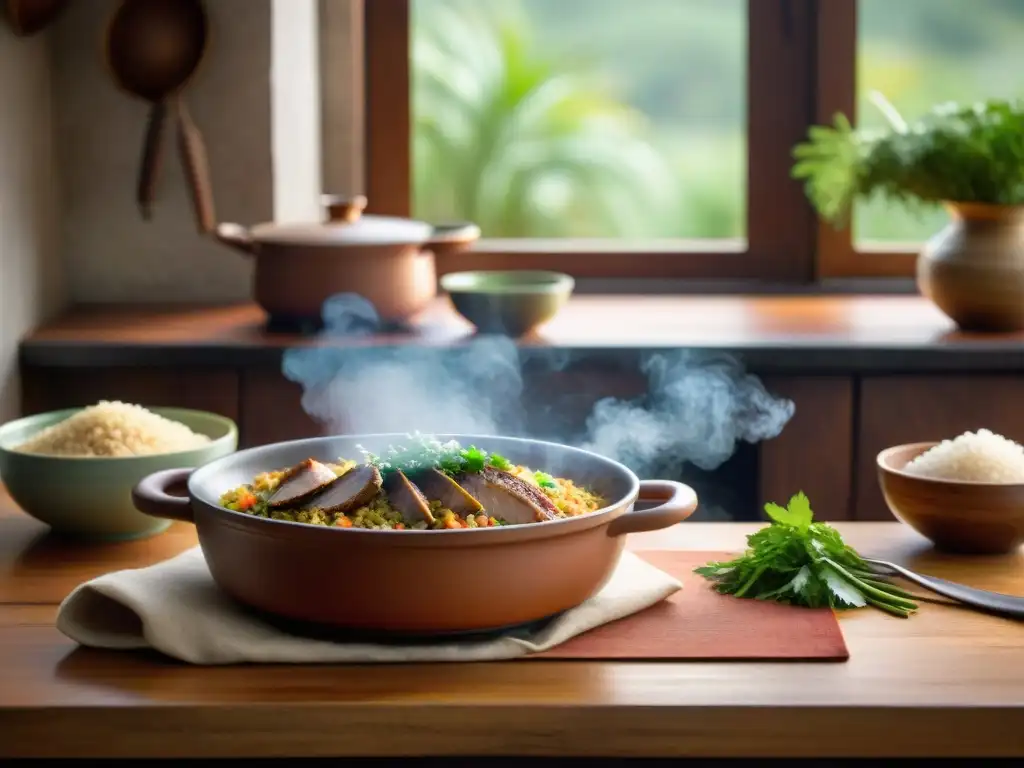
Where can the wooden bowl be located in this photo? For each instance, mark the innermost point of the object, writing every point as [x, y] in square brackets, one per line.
[957, 516]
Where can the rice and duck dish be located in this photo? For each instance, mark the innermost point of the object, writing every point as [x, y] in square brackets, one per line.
[428, 486]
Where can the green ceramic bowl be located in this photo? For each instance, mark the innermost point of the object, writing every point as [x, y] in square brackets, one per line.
[512, 303]
[91, 498]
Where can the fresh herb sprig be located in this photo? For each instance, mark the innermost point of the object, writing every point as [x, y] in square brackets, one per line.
[544, 480]
[798, 561]
[955, 153]
[425, 452]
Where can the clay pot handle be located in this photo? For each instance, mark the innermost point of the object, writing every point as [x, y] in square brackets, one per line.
[678, 503]
[152, 495]
[236, 236]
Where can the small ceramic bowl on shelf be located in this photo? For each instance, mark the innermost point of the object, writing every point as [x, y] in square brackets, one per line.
[512, 302]
[90, 498]
[958, 516]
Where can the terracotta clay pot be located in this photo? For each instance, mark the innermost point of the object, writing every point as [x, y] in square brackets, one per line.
[973, 270]
[413, 582]
[387, 260]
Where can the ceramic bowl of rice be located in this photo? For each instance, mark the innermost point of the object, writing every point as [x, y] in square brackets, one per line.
[965, 494]
[75, 469]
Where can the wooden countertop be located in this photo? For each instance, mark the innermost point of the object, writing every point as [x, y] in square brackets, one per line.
[946, 682]
[841, 333]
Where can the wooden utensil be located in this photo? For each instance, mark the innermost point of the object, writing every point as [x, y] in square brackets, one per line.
[153, 49]
[27, 17]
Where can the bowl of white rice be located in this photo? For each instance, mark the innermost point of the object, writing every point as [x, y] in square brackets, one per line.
[965, 494]
[75, 469]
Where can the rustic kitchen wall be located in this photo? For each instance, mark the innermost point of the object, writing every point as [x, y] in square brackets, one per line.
[31, 286]
[256, 100]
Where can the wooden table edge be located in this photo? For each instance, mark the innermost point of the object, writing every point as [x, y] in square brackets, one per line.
[312, 730]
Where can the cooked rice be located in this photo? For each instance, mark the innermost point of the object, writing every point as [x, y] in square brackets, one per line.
[570, 499]
[981, 457]
[113, 429]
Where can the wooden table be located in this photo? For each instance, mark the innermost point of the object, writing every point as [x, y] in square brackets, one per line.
[946, 682]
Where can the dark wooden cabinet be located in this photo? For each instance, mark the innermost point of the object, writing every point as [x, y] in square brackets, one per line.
[205, 389]
[865, 372]
[271, 409]
[814, 453]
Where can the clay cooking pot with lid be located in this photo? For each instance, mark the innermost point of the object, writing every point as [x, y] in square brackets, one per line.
[387, 260]
[413, 582]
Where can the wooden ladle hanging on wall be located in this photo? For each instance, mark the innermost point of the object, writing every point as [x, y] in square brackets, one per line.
[153, 48]
[27, 17]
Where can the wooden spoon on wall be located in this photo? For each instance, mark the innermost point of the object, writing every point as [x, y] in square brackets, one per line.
[153, 48]
[27, 17]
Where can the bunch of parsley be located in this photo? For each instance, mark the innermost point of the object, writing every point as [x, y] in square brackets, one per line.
[798, 561]
[955, 153]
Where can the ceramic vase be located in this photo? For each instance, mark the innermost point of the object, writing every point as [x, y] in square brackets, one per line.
[973, 270]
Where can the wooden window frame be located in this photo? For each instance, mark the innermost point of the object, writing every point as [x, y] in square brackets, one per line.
[837, 92]
[801, 69]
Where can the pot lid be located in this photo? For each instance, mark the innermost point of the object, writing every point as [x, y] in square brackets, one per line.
[345, 224]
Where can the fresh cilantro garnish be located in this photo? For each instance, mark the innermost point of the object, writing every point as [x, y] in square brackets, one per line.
[473, 459]
[423, 452]
[544, 480]
[796, 514]
[499, 462]
[798, 561]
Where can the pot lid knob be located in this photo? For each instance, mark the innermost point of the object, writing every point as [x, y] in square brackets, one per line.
[341, 209]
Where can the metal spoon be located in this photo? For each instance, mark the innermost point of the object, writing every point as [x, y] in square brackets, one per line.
[990, 602]
[153, 48]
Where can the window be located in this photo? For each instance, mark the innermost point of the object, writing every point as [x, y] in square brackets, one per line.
[581, 118]
[652, 139]
[921, 52]
[916, 53]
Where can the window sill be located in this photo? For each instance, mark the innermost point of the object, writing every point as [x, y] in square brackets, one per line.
[819, 333]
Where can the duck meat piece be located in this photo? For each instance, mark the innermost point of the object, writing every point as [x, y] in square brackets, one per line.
[438, 486]
[407, 498]
[300, 483]
[508, 498]
[350, 491]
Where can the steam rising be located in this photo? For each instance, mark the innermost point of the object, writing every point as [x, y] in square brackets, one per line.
[697, 407]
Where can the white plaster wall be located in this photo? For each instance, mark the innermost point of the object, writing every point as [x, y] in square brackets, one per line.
[31, 285]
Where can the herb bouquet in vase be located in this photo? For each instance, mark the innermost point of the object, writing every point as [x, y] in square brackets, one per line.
[969, 159]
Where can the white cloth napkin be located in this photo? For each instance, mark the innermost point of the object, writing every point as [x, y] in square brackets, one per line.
[174, 607]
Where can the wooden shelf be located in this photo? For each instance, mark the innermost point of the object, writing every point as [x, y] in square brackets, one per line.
[774, 333]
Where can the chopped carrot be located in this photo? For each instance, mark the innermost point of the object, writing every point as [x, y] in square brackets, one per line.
[452, 522]
[246, 502]
[343, 522]
[399, 526]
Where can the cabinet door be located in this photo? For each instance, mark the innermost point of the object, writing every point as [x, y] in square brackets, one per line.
[271, 410]
[49, 389]
[910, 409]
[814, 453]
